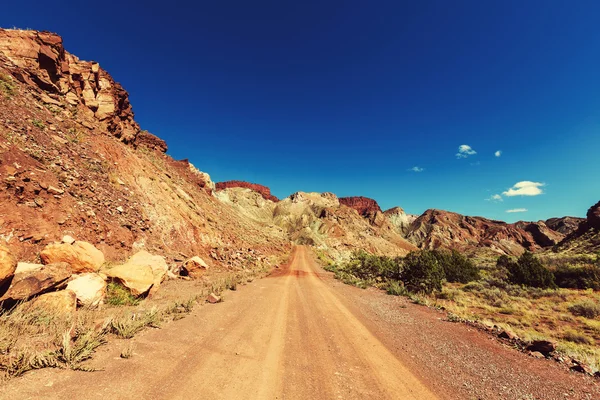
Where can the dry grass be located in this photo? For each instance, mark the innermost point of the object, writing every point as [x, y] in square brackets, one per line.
[564, 315]
[31, 339]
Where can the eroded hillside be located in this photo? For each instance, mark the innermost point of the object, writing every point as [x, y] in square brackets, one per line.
[74, 161]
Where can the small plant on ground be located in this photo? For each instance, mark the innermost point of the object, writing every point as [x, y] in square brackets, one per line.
[127, 326]
[7, 86]
[396, 288]
[118, 295]
[38, 124]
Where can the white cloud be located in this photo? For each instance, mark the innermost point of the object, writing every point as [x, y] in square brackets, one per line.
[498, 153]
[525, 188]
[416, 169]
[517, 210]
[495, 198]
[464, 151]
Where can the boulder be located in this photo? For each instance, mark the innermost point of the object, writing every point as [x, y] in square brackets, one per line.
[68, 239]
[213, 298]
[25, 285]
[82, 256]
[137, 278]
[8, 265]
[27, 267]
[194, 267]
[543, 346]
[89, 288]
[157, 264]
[63, 302]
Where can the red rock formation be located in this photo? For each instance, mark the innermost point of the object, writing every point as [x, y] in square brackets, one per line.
[144, 138]
[437, 228]
[363, 205]
[39, 59]
[69, 166]
[264, 191]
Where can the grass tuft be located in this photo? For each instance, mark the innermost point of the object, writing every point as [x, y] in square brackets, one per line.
[118, 295]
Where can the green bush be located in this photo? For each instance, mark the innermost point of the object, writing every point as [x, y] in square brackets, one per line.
[457, 267]
[422, 272]
[527, 270]
[368, 266]
[578, 277]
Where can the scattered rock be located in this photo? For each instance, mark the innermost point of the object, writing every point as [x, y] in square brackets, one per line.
[120, 210]
[28, 284]
[27, 267]
[55, 190]
[536, 354]
[8, 265]
[68, 239]
[82, 256]
[213, 298]
[89, 288]
[581, 367]
[194, 267]
[542, 346]
[63, 302]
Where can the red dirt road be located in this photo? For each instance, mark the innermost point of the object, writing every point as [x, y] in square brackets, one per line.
[299, 334]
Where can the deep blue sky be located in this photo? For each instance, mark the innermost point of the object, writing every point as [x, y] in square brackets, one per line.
[348, 96]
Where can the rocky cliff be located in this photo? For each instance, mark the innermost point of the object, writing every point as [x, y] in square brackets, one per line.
[437, 228]
[73, 161]
[39, 60]
[264, 191]
[587, 236]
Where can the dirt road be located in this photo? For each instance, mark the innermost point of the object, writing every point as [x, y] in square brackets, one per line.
[299, 334]
[287, 337]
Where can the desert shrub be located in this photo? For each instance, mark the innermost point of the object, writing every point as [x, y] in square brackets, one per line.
[368, 266]
[527, 270]
[576, 337]
[473, 287]
[457, 267]
[589, 309]
[396, 288]
[578, 277]
[496, 297]
[422, 272]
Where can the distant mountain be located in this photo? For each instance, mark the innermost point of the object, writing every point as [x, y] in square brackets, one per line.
[586, 238]
[564, 225]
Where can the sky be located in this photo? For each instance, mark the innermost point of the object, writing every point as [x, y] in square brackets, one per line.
[488, 108]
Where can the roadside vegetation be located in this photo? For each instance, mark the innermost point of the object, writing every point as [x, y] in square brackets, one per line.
[33, 338]
[535, 298]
